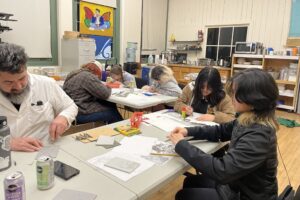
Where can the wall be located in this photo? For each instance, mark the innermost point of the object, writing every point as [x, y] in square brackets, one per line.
[130, 26]
[154, 24]
[268, 19]
[110, 3]
[64, 22]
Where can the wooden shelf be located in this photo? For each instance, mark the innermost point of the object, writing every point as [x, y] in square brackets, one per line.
[286, 95]
[285, 82]
[285, 107]
[282, 57]
[247, 66]
[185, 41]
[248, 56]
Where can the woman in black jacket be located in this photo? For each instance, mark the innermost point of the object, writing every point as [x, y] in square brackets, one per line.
[248, 170]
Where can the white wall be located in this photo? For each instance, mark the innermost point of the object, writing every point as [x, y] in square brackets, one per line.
[110, 3]
[268, 19]
[154, 24]
[130, 26]
[64, 21]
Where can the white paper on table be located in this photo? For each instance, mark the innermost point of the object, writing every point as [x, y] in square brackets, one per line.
[166, 123]
[136, 145]
[99, 161]
[116, 90]
[206, 123]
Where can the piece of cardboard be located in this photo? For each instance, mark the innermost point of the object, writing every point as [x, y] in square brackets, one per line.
[93, 134]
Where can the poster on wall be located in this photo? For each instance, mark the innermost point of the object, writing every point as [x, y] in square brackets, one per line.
[103, 46]
[96, 19]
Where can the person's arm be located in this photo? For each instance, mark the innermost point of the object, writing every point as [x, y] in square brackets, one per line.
[65, 112]
[95, 87]
[169, 89]
[184, 99]
[250, 152]
[218, 133]
[224, 111]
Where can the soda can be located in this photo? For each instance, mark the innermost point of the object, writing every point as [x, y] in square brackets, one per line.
[14, 186]
[45, 172]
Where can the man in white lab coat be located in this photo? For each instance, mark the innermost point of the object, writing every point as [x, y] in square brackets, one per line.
[38, 111]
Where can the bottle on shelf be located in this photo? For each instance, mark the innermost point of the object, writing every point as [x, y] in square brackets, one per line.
[150, 59]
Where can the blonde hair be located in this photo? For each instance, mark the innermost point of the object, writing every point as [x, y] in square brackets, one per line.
[162, 73]
[249, 118]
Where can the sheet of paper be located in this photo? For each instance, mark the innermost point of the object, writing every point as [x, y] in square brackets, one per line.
[51, 151]
[74, 195]
[105, 140]
[136, 145]
[99, 161]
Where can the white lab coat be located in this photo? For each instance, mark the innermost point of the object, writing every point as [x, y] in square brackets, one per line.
[32, 120]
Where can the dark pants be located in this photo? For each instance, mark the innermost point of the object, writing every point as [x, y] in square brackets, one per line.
[110, 116]
[198, 187]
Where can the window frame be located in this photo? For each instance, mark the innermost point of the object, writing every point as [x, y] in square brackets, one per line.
[231, 46]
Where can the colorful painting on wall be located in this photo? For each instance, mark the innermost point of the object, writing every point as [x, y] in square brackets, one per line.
[103, 46]
[96, 19]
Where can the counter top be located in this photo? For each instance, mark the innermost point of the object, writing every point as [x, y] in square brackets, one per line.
[194, 66]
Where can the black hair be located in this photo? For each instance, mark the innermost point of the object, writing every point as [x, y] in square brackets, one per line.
[13, 58]
[256, 88]
[212, 77]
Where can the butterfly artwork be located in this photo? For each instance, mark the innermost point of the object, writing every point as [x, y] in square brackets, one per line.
[96, 21]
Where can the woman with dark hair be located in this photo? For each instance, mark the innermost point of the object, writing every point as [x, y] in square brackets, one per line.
[248, 169]
[206, 96]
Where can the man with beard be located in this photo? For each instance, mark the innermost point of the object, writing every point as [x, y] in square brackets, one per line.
[38, 111]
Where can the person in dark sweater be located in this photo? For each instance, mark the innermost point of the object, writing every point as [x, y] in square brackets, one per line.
[248, 170]
[84, 86]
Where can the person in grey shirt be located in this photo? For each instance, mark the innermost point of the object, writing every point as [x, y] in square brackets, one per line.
[163, 82]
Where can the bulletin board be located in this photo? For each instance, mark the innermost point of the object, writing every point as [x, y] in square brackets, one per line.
[96, 19]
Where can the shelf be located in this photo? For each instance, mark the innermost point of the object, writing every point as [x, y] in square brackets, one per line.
[247, 66]
[248, 56]
[285, 107]
[286, 82]
[286, 95]
[185, 41]
[282, 57]
[187, 49]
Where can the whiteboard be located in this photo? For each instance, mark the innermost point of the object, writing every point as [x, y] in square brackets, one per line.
[32, 30]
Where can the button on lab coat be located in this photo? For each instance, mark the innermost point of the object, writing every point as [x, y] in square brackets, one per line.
[34, 120]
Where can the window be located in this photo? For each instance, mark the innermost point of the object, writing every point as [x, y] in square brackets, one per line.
[221, 41]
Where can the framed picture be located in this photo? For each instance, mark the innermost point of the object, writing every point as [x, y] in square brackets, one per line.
[103, 46]
[96, 19]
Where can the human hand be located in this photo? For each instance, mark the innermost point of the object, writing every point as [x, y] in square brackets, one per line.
[175, 137]
[58, 127]
[27, 144]
[180, 130]
[206, 117]
[189, 110]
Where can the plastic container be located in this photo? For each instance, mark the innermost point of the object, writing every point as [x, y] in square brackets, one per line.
[5, 156]
[132, 45]
[130, 54]
[150, 59]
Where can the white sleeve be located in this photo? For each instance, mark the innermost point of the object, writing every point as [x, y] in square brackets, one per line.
[63, 105]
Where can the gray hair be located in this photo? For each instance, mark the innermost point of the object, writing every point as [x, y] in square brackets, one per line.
[12, 58]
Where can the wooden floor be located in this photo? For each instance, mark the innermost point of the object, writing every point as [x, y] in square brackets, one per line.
[288, 141]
